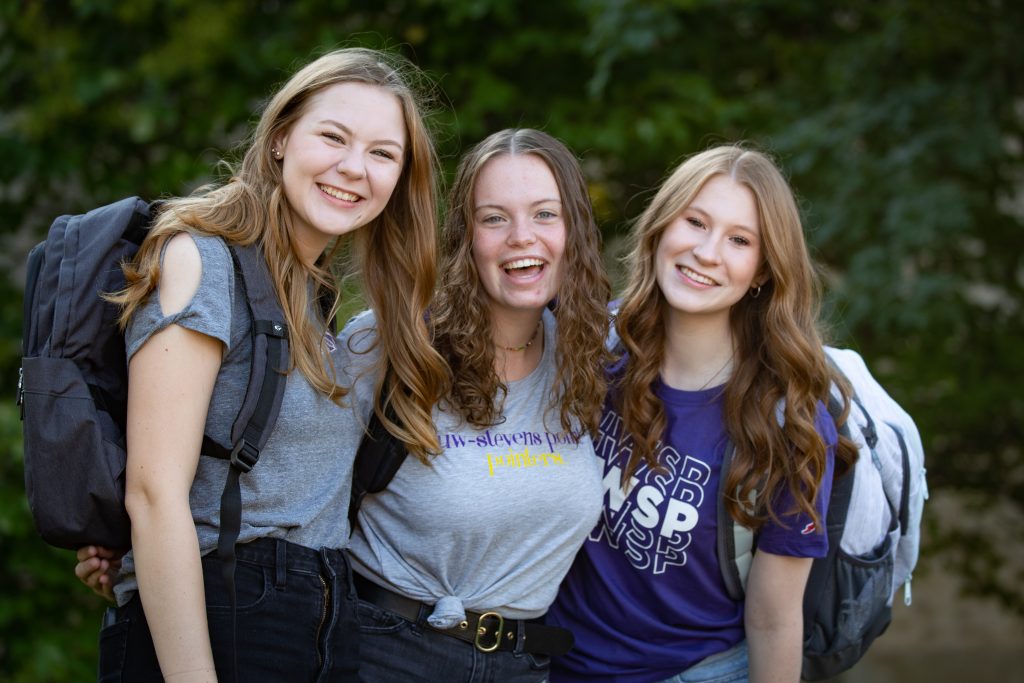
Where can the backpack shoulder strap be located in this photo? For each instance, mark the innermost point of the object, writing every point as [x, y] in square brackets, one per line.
[265, 391]
[262, 402]
[269, 364]
[379, 456]
[270, 358]
[735, 541]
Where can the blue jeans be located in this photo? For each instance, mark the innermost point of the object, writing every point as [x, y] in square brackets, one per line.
[295, 620]
[730, 666]
[395, 649]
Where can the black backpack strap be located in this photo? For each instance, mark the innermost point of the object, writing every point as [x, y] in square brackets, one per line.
[262, 403]
[379, 456]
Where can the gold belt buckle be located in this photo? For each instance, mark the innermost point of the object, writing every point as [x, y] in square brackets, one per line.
[481, 631]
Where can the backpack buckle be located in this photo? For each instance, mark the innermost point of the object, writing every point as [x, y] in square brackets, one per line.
[244, 456]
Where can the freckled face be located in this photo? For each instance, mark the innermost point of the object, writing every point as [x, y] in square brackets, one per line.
[710, 255]
[341, 161]
[519, 233]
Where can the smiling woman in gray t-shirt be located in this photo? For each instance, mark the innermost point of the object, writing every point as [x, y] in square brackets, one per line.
[463, 551]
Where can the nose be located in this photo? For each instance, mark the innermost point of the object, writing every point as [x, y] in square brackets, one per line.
[351, 163]
[521, 232]
[708, 250]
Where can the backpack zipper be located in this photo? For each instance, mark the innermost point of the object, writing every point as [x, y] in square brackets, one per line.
[20, 400]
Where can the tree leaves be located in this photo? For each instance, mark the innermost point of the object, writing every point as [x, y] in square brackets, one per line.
[899, 123]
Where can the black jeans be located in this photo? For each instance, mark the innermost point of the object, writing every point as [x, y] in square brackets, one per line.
[395, 649]
[296, 620]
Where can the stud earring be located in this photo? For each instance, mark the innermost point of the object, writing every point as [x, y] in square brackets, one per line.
[276, 152]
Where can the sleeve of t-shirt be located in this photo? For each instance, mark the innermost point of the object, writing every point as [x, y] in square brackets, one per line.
[798, 536]
[209, 311]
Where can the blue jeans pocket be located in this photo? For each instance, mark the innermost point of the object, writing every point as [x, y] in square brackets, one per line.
[252, 588]
[537, 662]
[728, 666]
[376, 621]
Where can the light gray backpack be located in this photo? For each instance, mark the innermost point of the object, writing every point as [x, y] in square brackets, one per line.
[873, 526]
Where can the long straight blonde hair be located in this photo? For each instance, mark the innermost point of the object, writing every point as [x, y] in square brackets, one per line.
[779, 354]
[396, 251]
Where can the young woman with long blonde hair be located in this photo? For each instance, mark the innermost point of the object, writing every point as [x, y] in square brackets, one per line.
[718, 344]
[340, 149]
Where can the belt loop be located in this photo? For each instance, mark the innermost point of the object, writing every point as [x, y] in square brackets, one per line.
[327, 566]
[521, 636]
[281, 565]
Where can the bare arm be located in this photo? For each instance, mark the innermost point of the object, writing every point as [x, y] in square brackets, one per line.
[773, 617]
[171, 380]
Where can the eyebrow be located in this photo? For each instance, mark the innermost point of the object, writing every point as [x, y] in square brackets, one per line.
[348, 131]
[739, 226]
[500, 206]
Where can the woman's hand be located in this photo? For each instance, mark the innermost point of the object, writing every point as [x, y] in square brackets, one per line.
[97, 568]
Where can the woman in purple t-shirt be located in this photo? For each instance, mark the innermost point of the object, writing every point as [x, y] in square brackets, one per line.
[718, 345]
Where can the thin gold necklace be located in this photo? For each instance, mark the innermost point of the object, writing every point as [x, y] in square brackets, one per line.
[525, 346]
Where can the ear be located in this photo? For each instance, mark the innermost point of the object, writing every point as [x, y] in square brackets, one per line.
[763, 276]
[277, 145]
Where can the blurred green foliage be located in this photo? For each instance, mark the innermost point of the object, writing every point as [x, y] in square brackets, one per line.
[898, 121]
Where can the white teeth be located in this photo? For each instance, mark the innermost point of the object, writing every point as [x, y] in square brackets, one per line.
[694, 275]
[522, 263]
[339, 194]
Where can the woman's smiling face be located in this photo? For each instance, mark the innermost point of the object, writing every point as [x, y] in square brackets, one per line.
[341, 161]
[709, 256]
[519, 232]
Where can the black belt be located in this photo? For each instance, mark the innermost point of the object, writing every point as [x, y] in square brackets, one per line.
[487, 631]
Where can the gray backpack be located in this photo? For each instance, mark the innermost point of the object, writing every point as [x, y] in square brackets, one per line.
[873, 526]
[74, 379]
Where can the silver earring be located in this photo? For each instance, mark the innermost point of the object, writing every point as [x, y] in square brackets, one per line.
[276, 152]
[755, 292]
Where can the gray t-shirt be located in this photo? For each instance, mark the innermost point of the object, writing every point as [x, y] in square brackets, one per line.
[494, 521]
[299, 489]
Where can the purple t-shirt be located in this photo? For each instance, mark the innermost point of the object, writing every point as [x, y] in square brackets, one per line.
[645, 597]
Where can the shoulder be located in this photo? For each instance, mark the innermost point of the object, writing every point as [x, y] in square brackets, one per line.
[187, 256]
[181, 256]
[187, 262]
[181, 270]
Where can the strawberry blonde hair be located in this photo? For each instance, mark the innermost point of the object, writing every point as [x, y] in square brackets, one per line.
[779, 356]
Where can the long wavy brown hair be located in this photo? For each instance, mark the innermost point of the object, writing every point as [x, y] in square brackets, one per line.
[396, 251]
[463, 336]
[779, 356]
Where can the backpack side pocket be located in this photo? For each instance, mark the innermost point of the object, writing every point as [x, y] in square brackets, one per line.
[74, 459]
[855, 609]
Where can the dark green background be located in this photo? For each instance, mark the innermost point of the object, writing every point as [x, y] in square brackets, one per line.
[899, 123]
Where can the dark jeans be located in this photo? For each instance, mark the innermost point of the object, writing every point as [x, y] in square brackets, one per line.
[395, 649]
[295, 620]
